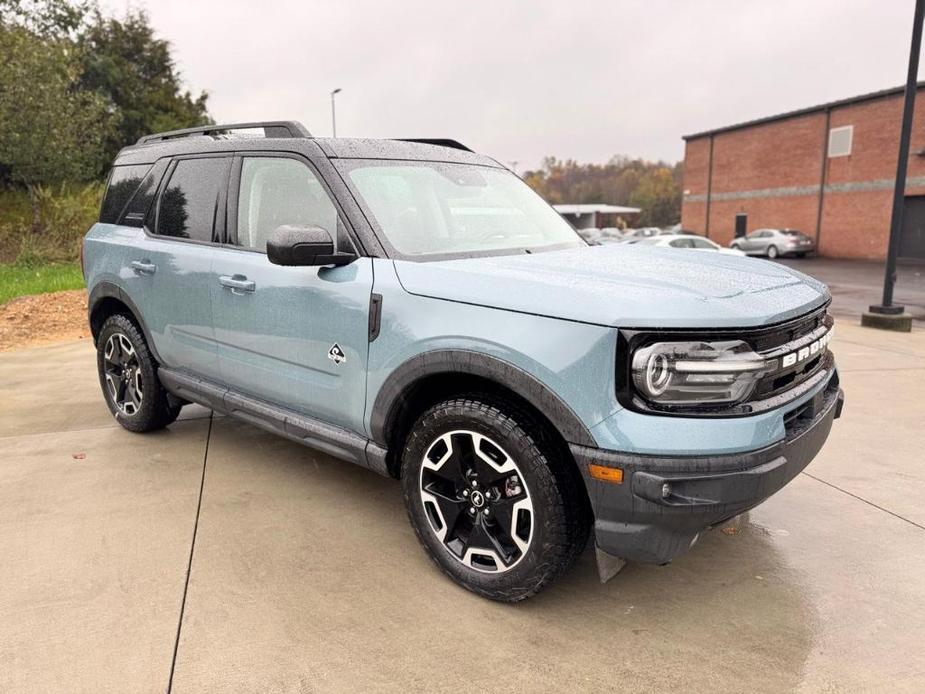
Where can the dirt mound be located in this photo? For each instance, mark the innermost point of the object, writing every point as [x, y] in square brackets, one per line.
[44, 318]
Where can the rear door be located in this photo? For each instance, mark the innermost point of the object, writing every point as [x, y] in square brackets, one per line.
[169, 268]
[295, 336]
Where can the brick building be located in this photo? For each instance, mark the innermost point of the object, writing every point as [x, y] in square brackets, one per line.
[827, 170]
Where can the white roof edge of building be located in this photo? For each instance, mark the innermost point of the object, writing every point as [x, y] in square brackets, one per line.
[589, 208]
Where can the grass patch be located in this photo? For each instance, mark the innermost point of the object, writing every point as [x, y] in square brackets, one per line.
[22, 280]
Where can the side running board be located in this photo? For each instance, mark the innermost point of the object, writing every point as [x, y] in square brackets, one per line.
[328, 438]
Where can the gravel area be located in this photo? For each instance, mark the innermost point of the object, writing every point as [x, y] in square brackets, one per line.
[44, 318]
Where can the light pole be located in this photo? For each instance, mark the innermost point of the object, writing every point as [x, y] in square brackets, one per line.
[333, 115]
[886, 314]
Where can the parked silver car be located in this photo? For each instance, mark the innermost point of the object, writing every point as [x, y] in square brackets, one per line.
[775, 243]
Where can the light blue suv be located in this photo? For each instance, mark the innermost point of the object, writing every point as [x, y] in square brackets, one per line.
[414, 308]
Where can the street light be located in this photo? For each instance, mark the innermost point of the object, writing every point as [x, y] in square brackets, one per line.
[886, 314]
[333, 115]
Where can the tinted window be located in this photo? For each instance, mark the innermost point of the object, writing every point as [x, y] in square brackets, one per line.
[277, 191]
[123, 182]
[187, 205]
[681, 243]
[138, 206]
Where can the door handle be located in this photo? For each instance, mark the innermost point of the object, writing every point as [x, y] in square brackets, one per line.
[143, 267]
[237, 283]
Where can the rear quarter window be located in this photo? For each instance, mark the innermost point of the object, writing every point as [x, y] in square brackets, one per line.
[123, 182]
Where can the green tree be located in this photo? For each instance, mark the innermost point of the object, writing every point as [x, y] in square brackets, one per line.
[51, 130]
[133, 71]
[658, 195]
[45, 18]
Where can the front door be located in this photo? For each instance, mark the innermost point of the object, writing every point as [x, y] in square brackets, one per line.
[294, 336]
[912, 242]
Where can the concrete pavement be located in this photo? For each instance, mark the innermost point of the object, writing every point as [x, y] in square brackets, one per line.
[305, 575]
[856, 284]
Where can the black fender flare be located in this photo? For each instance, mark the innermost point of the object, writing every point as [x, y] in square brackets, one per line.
[501, 372]
[104, 290]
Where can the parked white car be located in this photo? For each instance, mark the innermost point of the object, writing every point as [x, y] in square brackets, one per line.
[688, 241]
[634, 235]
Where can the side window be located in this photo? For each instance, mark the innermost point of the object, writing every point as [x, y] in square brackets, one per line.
[123, 182]
[681, 243]
[277, 191]
[702, 243]
[187, 205]
[138, 206]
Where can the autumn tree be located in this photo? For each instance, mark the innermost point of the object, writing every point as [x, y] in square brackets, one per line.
[658, 195]
[653, 186]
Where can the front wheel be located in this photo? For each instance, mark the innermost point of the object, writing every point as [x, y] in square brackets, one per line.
[772, 252]
[492, 499]
[128, 377]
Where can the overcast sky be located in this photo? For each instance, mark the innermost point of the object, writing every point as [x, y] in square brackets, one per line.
[522, 80]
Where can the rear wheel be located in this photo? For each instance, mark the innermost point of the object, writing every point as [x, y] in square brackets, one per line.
[128, 377]
[491, 499]
[772, 252]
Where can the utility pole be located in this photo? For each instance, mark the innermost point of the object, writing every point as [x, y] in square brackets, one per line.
[333, 113]
[886, 315]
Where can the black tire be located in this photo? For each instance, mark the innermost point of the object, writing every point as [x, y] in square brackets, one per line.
[152, 409]
[560, 516]
[773, 252]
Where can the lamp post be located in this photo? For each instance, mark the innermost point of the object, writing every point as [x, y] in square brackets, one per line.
[333, 114]
[886, 314]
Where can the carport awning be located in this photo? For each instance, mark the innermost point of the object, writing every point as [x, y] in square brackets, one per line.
[590, 209]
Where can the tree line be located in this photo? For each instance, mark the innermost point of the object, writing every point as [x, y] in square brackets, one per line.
[654, 187]
[76, 85]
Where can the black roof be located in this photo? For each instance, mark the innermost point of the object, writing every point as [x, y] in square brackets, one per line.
[872, 96]
[291, 136]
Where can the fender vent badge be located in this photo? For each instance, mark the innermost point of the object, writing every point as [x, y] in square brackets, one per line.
[336, 354]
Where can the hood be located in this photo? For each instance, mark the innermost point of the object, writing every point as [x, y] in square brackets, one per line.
[626, 286]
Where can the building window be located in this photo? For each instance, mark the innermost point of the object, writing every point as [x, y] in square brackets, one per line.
[840, 140]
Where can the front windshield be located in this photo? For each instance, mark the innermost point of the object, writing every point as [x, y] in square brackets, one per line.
[424, 208]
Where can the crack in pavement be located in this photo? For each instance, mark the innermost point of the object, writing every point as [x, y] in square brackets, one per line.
[189, 566]
[862, 499]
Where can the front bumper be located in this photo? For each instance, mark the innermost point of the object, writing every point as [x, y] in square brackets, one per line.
[664, 503]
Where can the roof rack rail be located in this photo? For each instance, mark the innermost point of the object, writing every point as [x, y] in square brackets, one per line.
[438, 141]
[274, 128]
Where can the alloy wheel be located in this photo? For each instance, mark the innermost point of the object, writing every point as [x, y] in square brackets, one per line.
[476, 501]
[123, 374]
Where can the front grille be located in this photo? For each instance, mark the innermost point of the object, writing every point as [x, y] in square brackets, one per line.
[791, 338]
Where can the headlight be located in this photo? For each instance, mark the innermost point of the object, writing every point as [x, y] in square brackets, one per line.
[698, 373]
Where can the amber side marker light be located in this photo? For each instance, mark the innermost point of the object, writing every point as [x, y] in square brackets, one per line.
[606, 474]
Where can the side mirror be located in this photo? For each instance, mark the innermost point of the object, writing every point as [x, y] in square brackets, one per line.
[304, 245]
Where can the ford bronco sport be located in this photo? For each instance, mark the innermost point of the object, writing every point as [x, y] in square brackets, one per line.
[413, 307]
